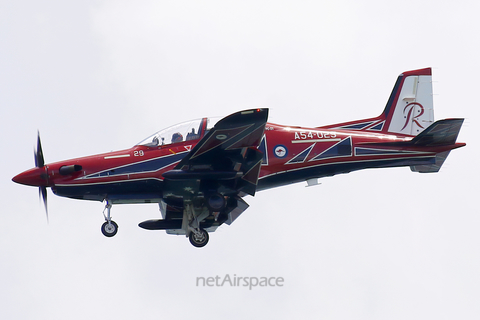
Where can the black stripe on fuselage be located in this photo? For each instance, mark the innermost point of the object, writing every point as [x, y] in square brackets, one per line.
[128, 189]
[331, 169]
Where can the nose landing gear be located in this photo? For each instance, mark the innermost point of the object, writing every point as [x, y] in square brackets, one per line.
[109, 227]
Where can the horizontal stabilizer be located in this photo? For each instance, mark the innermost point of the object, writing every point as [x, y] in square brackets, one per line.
[441, 133]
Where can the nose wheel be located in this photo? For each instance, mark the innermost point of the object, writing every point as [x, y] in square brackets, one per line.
[109, 227]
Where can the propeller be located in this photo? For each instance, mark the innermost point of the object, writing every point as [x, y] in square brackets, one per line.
[40, 163]
[42, 192]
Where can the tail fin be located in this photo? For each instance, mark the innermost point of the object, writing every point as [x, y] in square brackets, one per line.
[409, 109]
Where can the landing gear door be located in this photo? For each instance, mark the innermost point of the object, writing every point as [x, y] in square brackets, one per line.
[235, 213]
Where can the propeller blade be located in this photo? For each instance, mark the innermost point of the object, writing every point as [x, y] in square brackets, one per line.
[43, 194]
[39, 161]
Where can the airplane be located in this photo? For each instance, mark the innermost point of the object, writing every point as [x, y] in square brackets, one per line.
[200, 171]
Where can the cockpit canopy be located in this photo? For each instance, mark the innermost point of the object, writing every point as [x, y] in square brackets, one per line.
[185, 131]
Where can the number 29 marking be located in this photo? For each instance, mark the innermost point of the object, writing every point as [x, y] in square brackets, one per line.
[138, 153]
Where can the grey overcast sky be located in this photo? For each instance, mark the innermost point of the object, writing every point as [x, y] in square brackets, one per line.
[96, 76]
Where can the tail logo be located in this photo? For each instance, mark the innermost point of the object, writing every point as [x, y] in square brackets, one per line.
[411, 107]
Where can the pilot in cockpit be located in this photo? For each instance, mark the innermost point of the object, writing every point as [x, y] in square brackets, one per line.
[191, 135]
[177, 137]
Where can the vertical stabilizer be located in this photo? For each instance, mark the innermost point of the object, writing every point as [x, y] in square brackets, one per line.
[409, 109]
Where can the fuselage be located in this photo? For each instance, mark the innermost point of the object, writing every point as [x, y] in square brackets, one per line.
[290, 155]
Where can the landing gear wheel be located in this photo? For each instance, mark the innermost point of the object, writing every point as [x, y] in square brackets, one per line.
[198, 239]
[109, 229]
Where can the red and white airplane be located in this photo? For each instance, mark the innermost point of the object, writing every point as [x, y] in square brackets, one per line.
[199, 171]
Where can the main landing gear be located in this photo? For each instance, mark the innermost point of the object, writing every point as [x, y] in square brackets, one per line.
[109, 227]
[198, 238]
[192, 216]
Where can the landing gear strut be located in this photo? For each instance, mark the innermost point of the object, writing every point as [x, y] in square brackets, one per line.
[109, 228]
[192, 217]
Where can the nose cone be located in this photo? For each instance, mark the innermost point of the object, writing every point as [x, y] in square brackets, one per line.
[34, 177]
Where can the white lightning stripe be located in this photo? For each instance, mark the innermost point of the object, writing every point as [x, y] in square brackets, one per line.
[105, 182]
[315, 140]
[387, 152]
[119, 156]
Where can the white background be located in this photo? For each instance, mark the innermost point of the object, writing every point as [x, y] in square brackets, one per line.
[97, 76]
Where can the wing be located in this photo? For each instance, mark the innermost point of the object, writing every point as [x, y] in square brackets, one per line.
[226, 160]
